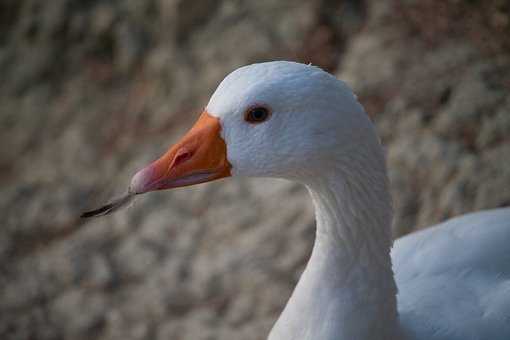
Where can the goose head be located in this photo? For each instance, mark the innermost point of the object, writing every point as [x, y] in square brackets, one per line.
[275, 119]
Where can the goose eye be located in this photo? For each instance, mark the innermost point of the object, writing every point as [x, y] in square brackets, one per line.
[256, 115]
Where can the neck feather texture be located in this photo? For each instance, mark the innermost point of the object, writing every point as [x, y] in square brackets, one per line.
[347, 290]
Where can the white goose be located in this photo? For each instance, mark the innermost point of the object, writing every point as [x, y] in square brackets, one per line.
[295, 121]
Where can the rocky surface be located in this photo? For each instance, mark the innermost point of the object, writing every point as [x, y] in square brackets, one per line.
[92, 90]
[440, 100]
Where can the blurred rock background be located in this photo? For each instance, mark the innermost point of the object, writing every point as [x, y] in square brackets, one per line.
[92, 90]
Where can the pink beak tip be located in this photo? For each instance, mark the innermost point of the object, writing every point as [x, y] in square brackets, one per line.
[142, 180]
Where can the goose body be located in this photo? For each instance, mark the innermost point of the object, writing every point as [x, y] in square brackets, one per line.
[294, 121]
[454, 278]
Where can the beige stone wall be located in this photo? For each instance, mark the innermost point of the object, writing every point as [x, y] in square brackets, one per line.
[92, 90]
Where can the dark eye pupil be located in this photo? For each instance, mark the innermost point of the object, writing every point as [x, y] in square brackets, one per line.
[256, 115]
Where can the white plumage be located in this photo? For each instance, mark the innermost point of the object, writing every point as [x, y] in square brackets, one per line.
[448, 282]
[453, 279]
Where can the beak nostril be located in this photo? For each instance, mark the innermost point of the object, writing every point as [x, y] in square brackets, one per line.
[182, 156]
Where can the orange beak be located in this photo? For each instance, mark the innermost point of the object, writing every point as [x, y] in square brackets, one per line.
[200, 156]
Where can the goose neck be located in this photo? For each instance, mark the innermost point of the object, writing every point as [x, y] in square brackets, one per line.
[347, 290]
